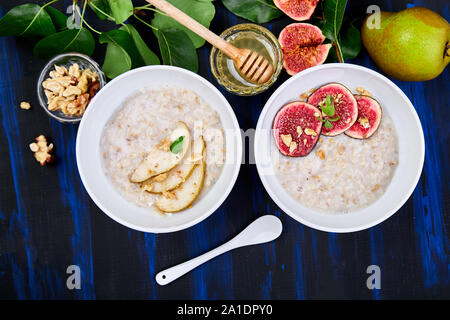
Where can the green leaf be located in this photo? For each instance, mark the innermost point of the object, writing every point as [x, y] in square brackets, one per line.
[117, 61]
[177, 145]
[328, 108]
[121, 53]
[258, 11]
[59, 19]
[320, 119]
[333, 12]
[201, 10]
[123, 39]
[177, 49]
[78, 40]
[98, 6]
[121, 10]
[147, 55]
[350, 40]
[328, 124]
[334, 119]
[27, 20]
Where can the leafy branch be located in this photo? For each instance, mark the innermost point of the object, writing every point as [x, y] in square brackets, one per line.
[329, 16]
[53, 32]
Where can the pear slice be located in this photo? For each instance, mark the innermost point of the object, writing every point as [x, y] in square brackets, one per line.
[183, 196]
[180, 173]
[160, 160]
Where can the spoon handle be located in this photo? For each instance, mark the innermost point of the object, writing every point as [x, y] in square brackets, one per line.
[178, 15]
[166, 276]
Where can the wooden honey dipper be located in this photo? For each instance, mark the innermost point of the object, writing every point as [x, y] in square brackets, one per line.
[250, 64]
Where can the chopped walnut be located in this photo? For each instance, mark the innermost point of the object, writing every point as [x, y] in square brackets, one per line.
[341, 150]
[70, 90]
[310, 132]
[363, 91]
[292, 146]
[42, 151]
[25, 105]
[321, 154]
[304, 96]
[287, 139]
[364, 122]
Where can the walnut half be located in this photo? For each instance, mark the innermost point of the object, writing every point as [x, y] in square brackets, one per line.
[42, 150]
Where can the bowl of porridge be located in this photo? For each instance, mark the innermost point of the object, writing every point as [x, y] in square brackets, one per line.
[159, 149]
[339, 147]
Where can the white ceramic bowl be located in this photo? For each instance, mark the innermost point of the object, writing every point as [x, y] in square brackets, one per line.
[410, 138]
[106, 102]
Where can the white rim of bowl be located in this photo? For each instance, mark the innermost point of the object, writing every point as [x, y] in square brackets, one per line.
[280, 203]
[221, 199]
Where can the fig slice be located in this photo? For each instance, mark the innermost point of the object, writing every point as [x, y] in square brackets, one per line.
[296, 128]
[183, 196]
[303, 48]
[162, 159]
[180, 173]
[345, 106]
[298, 10]
[369, 118]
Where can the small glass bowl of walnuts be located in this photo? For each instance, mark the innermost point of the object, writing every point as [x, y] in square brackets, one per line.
[67, 84]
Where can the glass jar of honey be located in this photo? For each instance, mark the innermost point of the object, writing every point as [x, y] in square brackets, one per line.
[253, 37]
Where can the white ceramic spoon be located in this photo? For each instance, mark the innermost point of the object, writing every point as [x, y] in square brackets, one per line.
[263, 229]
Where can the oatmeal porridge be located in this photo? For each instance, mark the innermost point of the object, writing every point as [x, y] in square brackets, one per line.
[141, 132]
[341, 174]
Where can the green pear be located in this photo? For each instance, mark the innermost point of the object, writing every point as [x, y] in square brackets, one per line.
[410, 45]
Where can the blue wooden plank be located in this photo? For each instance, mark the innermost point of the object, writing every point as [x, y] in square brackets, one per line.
[25, 277]
[411, 247]
[75, 197]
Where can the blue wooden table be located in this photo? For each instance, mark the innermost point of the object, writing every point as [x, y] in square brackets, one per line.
[48, 221]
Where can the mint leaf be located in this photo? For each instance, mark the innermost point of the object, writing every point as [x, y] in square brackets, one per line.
[177, 145]
[328, 109]
[328, 124]
[334, 119]
[320, 119]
